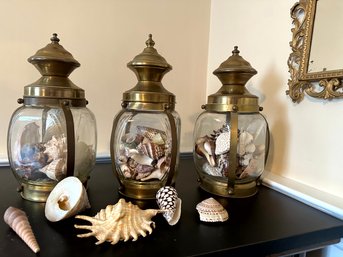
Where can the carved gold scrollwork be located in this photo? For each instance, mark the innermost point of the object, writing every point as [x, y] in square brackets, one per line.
[295, 90]
[329, 91]
[324, 84]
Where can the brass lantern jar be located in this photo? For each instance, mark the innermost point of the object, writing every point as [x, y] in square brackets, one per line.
[53, 134]
[145, 134]
[231, 136]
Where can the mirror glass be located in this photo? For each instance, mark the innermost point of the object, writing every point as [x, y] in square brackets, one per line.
[316, 61]
[326, 45]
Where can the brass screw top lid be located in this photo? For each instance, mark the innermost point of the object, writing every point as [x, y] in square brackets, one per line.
[55, 65]
[150, 58]
[149, 93]
[54, 52]
[233, 96]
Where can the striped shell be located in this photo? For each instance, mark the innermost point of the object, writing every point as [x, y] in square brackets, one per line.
[154, 135]
[154, 151]
[210, 210]
[167, 200]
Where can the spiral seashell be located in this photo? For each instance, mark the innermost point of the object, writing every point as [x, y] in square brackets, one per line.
[56, 148]
[152, 150]
[55, 170]
[154, 135]
[19, 222]
[119, 222]
[167, 200]
[203, 151]
[210, 210]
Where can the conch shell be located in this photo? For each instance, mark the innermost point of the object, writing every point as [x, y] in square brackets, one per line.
[68, 198]
[167, 199]
[204, 146]
[121, 221]
[19, 222]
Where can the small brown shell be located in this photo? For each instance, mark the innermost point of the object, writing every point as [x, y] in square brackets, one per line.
[19, 222]
[210, 210]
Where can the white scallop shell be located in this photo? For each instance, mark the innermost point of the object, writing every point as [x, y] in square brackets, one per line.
[222, 143]
[167, 200]
[68, 198]
[210, 210]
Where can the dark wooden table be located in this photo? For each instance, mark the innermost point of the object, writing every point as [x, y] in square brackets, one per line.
[266, 224]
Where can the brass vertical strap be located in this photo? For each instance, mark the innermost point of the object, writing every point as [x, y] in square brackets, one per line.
[267, 140]
[174, 146]
[44, 118]
[113, 146]
[233, 151]
[70, 138]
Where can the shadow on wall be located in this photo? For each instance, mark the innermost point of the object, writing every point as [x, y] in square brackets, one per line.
[275, 111]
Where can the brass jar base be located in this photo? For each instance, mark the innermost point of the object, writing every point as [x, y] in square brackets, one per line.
[220, 188]
[140, 191]
[36, 193]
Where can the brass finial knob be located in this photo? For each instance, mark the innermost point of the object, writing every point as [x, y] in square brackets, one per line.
[150, 42]
[54, 38]
[235, 51]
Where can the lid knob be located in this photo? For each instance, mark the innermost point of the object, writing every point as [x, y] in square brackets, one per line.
[233, 73]
[54, 60]
[55, 65]
[149, 67]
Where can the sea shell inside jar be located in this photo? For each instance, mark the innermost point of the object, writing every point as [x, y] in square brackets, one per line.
[214, 151]
[145, 154]
[39, 160]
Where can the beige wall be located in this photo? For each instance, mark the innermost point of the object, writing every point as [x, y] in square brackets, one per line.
[104, 36]
[307, 137]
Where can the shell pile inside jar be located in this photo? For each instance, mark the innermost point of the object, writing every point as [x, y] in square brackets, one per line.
[215, 150]
[144, 155]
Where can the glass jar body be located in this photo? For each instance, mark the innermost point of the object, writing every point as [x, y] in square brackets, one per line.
[38, 146]
[212, 148]
[145, 151]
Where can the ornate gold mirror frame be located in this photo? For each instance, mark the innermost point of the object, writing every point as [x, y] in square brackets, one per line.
[325, 84]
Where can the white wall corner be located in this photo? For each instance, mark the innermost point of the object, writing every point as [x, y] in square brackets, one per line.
[325, 202]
